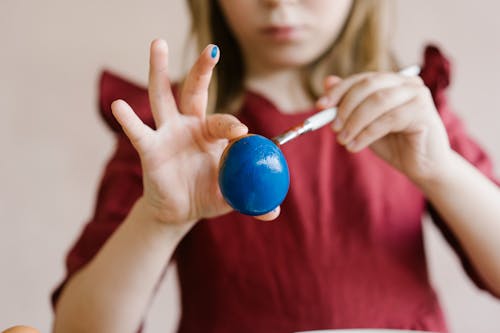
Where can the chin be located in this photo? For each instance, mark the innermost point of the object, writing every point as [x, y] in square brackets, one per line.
[291, 60]
[293, 56]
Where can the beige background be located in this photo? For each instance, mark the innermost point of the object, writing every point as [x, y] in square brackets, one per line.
[54, 145]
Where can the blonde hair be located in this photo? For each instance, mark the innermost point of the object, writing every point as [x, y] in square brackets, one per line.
[362, 45]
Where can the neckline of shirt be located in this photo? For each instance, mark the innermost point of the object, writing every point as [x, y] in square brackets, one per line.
[257, 102]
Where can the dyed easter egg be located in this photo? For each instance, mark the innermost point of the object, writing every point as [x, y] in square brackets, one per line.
[253, 175]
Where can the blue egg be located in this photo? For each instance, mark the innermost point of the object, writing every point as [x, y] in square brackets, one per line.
[253, 175]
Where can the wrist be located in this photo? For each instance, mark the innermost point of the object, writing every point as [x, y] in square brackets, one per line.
[441, 173]
[145, 214]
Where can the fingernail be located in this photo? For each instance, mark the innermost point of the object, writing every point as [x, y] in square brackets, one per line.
[351, 145]
[214, 52]
[337, 124]
[158, 42]
[236, 125]
[343, 137]
[323, 101]
[332, 80]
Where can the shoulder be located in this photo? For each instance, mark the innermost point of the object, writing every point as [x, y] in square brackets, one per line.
[436, 73]
[113, 86]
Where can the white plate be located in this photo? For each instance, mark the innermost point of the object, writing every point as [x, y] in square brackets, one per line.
[363, 331]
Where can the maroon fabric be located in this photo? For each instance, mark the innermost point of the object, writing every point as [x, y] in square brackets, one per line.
[346, 252]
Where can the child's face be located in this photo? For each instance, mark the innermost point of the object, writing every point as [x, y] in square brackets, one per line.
[277, 34]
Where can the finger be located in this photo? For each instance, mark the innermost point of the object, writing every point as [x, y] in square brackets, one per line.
[224, 126]
[379, 102]
[328, 83]
[269, 216]
[393, 121]
[160, 92]
[359, 91]
[194, 94]
[139, 134]
[335, 93]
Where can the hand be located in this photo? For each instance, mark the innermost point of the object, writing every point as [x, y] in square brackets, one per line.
[180, 158]
[392, 114]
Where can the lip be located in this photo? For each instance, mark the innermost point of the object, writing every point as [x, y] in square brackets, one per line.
[283, 33]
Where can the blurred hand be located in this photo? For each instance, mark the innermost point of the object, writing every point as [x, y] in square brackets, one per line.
[21, 329]
[392, 114]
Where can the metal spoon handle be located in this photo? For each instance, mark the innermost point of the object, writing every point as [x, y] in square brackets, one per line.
[312, 123]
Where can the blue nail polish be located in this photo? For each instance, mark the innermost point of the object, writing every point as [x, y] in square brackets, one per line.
[215, 50]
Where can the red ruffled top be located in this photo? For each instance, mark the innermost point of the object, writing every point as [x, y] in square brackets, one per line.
[346, 252]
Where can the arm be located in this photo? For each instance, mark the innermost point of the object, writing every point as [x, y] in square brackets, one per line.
[112, 293]
[179, 161]
[470, 203]
[396, 118]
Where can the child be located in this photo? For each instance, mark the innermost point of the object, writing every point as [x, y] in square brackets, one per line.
[346, 248]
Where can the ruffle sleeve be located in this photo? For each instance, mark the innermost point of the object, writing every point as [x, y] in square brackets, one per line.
[436, 74]
[121, 181]
[113, 87]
